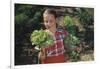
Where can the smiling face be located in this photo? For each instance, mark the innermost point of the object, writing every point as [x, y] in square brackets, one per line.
[49, 20]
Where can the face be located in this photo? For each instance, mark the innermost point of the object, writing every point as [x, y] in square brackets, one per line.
[49, 20]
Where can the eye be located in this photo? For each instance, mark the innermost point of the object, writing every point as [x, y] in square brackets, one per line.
[45, 21]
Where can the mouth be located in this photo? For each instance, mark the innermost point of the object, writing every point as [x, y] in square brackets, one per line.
[47, 27]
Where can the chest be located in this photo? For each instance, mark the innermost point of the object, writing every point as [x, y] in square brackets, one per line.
[58, 43]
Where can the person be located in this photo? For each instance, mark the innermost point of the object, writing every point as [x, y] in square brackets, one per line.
[54, 53]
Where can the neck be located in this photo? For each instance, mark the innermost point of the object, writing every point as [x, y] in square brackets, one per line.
[52, 29]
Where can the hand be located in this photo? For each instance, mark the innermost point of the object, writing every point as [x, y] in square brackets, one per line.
[42, 55]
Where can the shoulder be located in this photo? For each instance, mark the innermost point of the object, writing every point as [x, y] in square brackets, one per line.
[62, 31]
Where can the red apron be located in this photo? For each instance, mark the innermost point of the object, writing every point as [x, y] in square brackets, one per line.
[54, 59]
